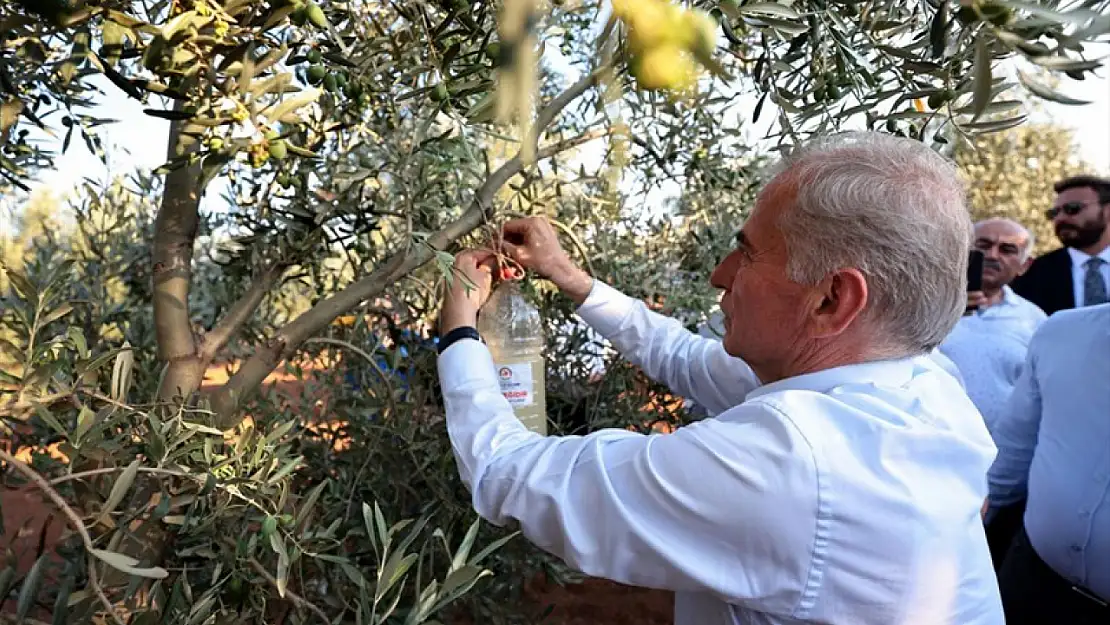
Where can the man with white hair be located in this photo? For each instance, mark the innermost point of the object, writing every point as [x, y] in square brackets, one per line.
[842, 477]
[988, 343]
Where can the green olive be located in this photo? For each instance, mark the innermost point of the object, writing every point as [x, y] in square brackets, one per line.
[279, 149]
[316, 15]
[269, 526]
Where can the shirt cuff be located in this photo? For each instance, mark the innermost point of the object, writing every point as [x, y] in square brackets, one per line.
[466, 362]
[606, 309]
[480, 421]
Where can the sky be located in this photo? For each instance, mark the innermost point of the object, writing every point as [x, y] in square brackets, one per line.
[139, 141]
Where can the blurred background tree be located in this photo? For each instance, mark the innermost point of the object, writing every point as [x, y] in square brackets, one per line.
[1012, 173]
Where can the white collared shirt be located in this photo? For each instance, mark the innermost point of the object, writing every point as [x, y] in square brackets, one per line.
[850, 496]
[988, 347]
[1079, 271]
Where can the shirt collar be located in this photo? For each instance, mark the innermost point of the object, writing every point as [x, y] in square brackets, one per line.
[1078, 258]
[889, 373]
[1009, 297]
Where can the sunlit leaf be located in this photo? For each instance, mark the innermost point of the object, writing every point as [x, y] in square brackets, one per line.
[1046, 92]
[769, 8]
[128, 565]
[119, 489]
[981, 95]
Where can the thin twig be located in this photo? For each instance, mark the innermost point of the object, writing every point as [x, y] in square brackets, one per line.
[297, 600]
[74, 520]
[370, 359]
[95, 472]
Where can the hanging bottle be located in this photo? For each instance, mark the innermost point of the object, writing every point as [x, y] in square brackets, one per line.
[513, 330]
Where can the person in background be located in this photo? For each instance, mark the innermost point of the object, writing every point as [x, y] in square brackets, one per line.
[1054, 447]
[842, 478]
[988, 344]
[1077, 274]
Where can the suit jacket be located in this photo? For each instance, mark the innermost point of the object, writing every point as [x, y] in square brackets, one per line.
[1048, 283]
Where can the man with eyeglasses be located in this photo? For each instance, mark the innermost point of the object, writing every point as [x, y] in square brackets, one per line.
[1079, 273]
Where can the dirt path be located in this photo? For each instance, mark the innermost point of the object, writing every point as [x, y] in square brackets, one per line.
[600, 602]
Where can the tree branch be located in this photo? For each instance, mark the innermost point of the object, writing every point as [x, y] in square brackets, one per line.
[240, 312]
[225, 400]
[74, 520]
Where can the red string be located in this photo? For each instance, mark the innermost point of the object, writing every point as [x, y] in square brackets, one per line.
[507, 268]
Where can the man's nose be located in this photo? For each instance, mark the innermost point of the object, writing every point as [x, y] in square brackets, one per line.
[718, 278]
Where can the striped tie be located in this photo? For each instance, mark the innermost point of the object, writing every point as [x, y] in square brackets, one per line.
[1094, 286]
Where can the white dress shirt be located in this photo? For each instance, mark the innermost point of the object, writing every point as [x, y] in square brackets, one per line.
[988, 347]
[713, 328]
[1079, 271]
[850, 496]
[1054, 445]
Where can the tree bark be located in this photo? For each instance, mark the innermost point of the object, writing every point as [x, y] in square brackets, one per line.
[188, 356]
[175, 232]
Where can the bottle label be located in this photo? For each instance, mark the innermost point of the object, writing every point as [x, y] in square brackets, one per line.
[516, 383]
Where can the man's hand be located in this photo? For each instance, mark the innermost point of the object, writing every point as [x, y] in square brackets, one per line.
[976, 300]
[471, 283]
[532, 242]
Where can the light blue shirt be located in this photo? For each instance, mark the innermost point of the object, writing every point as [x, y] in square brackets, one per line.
[989, 349]
[848, 496]
[1054, 444]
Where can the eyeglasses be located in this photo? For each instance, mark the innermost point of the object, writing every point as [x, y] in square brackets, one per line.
[1070, 209]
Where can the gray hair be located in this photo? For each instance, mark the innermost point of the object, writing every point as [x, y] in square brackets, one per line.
[893, 209]
[1030, 238]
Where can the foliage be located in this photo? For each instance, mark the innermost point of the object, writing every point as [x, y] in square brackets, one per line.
[1013, 174]
[274, 502]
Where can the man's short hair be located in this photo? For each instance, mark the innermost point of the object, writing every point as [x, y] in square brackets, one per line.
[892, 208]
[1030, 238]
[1101, 186]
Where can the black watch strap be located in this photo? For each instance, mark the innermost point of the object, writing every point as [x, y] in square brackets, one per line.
[464, 332]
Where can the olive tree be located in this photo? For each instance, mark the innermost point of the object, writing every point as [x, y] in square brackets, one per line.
[363, 142]
[1014, 172]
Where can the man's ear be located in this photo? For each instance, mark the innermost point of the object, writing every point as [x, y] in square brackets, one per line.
[1025, 266]
[841, 298]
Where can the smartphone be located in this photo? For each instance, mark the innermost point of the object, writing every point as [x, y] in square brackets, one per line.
[975, 271]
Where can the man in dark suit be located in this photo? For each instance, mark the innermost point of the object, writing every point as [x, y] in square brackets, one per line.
[1077, 274]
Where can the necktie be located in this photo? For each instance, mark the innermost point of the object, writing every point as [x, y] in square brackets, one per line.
[1094, 286]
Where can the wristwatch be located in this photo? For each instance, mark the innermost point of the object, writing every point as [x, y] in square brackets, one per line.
[459, 333]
